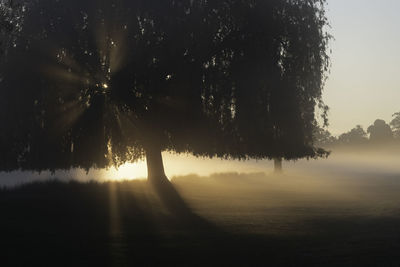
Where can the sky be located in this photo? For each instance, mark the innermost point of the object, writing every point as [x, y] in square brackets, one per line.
[364, 82]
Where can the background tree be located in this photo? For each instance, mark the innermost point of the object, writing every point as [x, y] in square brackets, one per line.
[278, 165]
[355, 136]
[109, 82]
[380, 131]
[395, 124]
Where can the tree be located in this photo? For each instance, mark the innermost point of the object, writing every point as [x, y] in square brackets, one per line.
[355, 136]
[11, 16]
[395, 123]
[5, 26]
[278, 165]
[380, 131]
[115, 81]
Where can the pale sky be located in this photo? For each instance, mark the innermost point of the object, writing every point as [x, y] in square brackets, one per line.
[364, 83]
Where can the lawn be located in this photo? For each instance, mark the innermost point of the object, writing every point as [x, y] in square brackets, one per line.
[237, 219]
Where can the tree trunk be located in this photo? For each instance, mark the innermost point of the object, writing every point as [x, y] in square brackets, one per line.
[155, 166]
[278, 165]
[161, 185]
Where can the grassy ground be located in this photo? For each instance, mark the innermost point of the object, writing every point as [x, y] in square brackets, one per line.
[241, 220]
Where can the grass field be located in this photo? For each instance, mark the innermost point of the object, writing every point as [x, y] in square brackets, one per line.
[238, 220]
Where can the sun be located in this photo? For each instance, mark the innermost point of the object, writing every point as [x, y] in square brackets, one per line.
[127, 171]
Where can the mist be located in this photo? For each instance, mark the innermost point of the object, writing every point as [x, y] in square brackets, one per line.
[345, 184]
[353, 164]
[350, 181]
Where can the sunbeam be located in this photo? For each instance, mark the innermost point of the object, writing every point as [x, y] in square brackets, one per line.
[81, 76]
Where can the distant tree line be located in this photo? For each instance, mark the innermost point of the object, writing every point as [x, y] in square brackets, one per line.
[378, 133]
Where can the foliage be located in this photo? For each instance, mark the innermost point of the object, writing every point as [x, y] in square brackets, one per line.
[94, 83]
[355, 136]
[395, 123]
[380, 131]
[11, 20]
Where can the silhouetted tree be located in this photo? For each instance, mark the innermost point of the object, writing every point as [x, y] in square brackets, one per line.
[395, 124]
[355, 136]
[278, 165]
[11, 19]
[380, 131]
[5, 26]
[95, 83]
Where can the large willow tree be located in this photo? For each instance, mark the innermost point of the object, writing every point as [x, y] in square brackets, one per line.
[91, 84]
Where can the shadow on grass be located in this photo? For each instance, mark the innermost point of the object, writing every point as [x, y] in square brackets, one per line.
[110, 224]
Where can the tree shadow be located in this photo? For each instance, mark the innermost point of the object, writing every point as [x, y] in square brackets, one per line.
[173, 202]
[112, 224]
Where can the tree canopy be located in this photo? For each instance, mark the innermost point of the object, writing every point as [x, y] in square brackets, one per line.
[11, 16]
[95, 83]
[380, 131]
[395, 124]
[355, 136]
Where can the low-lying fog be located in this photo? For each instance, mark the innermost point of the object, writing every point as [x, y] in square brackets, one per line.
[356, 190]
[342, 164]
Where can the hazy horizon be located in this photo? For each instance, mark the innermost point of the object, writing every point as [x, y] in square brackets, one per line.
[337, 164]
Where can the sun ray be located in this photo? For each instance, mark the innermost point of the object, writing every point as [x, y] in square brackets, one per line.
[69, 115]
[116, 229]
[62, 74]
[77, 82]
[118, 51]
